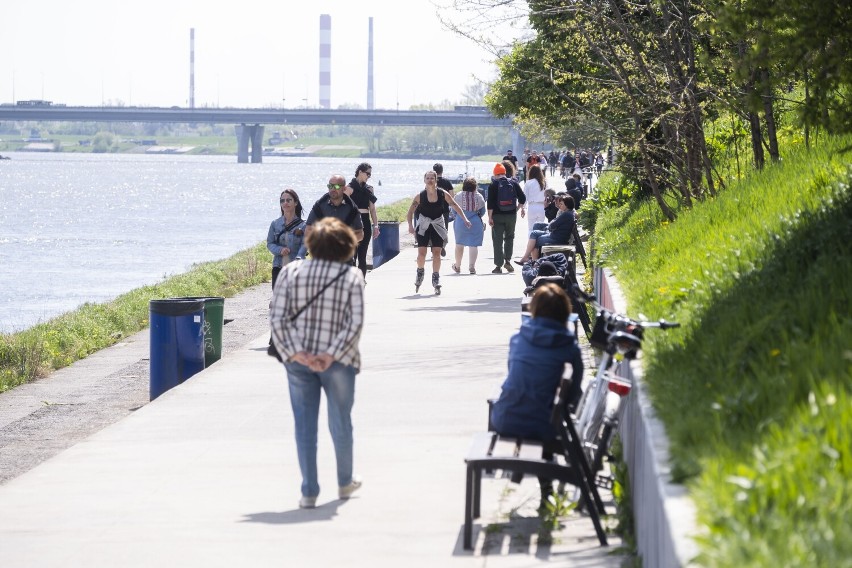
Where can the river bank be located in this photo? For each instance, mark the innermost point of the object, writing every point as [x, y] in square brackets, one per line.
[40, 418]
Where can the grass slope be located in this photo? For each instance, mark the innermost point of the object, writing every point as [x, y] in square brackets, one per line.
[754, 389]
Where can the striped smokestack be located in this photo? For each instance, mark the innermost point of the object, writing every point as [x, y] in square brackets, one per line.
[325, 62]
[191, 67]
[370, 100]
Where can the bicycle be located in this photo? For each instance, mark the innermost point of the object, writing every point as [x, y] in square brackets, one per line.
[602, 404]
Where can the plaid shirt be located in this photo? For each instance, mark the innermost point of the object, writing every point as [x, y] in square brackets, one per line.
[332, 323]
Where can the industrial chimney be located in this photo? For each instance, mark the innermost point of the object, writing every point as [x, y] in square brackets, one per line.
[325, 62]
[370, 99]
[191, 67]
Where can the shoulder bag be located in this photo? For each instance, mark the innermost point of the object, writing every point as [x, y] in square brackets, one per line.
[271, 350]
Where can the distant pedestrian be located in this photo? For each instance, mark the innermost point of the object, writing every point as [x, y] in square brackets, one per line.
[565, 164]
[431, 229]
[365, 198]
[512, 158]
[447, 186]
[534, 188]
[473, 205]
[316, 320]
[286, 233]
[504, 195]
[335, 204]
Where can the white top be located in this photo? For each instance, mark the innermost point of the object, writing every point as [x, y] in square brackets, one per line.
[534, 192]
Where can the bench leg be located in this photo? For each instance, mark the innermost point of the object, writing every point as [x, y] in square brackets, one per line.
[477, 492]
[468, 507]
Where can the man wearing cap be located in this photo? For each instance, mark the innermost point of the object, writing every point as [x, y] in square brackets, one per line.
[512, 158]
[502, 217]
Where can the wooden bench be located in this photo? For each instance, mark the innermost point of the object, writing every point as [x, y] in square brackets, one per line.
[490, 451]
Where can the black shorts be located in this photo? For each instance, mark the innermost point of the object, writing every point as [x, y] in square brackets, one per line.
[430, 239]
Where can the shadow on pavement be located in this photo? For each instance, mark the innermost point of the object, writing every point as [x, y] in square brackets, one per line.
[504, 305]
[323, 512]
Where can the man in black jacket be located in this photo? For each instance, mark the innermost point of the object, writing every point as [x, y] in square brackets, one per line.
[503, 216]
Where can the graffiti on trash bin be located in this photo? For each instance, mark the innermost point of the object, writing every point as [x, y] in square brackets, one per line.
[208, 338]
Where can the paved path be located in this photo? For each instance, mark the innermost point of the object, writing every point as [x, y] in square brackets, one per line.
[206, 475]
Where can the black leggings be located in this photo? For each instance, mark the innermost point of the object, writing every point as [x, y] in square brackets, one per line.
[364, 245]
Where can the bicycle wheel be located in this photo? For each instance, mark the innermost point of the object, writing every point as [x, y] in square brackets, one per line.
[587, 403]
[590, 434]
[602, 446]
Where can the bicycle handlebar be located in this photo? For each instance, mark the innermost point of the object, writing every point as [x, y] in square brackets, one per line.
[620, 319]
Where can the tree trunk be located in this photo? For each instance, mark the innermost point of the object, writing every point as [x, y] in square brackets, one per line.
[648, 166]
[756, 140]
[807, 105]
[769, 115]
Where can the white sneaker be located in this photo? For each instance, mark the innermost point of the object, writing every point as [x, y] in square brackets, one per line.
[346, 491]
[307, 502]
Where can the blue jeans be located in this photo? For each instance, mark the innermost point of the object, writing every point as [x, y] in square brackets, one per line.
[338, 381]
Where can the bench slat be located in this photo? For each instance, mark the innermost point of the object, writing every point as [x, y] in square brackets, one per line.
[481, 445]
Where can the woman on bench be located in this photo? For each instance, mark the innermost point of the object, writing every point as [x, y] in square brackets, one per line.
[538, 354]
[558, 231]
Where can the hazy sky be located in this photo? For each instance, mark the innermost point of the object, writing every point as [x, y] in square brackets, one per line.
[247, 54]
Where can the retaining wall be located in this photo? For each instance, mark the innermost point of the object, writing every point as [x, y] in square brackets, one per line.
[663, 512]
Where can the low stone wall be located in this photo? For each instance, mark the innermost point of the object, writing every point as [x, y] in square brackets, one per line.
[663, 512]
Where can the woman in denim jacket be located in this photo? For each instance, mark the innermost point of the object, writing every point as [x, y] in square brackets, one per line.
[286, 233]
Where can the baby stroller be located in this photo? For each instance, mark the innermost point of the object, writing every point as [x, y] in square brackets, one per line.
[558, 269]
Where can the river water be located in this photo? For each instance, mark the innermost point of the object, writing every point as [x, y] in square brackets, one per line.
[78, 228]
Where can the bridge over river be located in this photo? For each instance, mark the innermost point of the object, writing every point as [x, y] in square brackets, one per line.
[249, 121]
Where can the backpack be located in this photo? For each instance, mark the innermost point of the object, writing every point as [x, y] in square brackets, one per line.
[507, 199]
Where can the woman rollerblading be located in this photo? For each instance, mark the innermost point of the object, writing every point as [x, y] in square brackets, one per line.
[431, 229]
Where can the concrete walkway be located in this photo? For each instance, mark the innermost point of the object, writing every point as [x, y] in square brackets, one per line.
[206, 475]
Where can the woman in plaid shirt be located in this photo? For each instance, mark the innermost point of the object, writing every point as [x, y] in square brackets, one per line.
[316, 319]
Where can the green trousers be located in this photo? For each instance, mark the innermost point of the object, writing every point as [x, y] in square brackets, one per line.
[503, 237]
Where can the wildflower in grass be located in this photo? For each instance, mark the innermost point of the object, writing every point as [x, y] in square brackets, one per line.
[775, 352]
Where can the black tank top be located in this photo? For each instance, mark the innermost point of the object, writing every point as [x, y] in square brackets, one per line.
[429, 209]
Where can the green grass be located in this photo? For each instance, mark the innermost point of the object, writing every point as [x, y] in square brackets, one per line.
[395, 211]
[754, 389]
[37, 351]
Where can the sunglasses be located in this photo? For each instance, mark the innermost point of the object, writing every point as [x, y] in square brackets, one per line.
[288, 200]
[369, 174]
[335, 186]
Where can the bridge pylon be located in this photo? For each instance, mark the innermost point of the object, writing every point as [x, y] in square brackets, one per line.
[249, 136]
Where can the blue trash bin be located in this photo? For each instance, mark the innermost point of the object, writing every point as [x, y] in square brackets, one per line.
[177, 342]
[386, 245]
